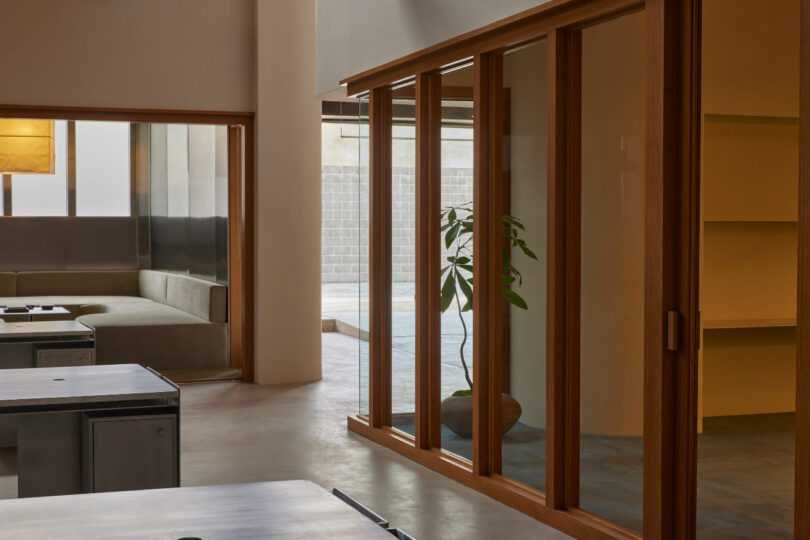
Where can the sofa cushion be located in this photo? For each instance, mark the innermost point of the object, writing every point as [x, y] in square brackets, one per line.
[205, 299]
[76, 305]
[152, 285]
[157, 336]
[8, 284]
[75, 283]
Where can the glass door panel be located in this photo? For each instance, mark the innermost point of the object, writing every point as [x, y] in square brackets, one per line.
[403, 259]
[612, 269]
[525, 169]
[456, 260]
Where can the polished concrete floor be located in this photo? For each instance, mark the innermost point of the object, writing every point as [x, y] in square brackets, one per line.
[236, 432]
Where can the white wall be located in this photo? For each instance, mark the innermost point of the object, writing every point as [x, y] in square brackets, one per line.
[288, 288]
[167, 54]
[356, 35]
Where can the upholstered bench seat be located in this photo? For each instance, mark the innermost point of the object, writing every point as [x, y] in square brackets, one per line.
[160, 320]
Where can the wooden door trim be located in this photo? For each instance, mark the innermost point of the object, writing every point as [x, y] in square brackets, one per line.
[379, 256]
[563, 274]
[245, 265]
[672, 267]
[802, 473]
[235, 248]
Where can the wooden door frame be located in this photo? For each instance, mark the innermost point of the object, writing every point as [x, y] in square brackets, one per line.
[241, 202]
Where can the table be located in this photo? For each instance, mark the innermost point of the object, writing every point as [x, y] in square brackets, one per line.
[36, 310]
[290, 510]
[41, 344]
[92, 428]
[45, 344]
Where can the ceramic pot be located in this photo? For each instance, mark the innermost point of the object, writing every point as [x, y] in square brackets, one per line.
[457, 414]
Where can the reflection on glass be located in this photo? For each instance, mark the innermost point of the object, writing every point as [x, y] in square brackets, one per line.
[44, 194]
[525, 155]
[612, 270]
[362, 259]
[403, 261]
[456, 259]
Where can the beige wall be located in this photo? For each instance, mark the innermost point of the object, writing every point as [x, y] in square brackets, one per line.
[356, 35]
[288, 314]
[202, 54]
[167, 54]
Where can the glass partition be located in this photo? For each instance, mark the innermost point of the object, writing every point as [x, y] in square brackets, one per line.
[612, 269]
[457, 260]
[403, 259]
[525, 168]
[362, 259]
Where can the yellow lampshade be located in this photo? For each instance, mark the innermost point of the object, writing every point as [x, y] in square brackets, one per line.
[26, 146]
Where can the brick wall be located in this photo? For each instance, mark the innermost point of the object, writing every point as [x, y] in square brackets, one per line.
[344, 248]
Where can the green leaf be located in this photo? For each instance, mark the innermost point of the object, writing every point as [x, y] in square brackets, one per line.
[462, 393]
[451, 235]
[467, 307]
[448, 291]
[514, 298]
[466, 289]
[463, 260]
[528, 252]
[452, 215]
[467, 267]
[514, 221]
[507, 280]
[445, 269]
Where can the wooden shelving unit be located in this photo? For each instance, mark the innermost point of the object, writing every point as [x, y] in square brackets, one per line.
[749, 244]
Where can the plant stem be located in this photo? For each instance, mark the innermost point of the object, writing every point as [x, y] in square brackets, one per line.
[463, 342]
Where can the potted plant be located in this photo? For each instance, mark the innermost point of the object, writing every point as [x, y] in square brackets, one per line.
[457, 290]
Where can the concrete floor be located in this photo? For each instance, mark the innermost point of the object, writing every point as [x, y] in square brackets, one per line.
[236, 432]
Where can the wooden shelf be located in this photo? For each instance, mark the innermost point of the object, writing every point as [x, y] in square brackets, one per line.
[724, 324]
[719, 117]
[753, 221]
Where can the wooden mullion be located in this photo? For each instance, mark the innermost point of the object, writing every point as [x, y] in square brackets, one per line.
[802, 479]
[380, 123]
[428, 255]
[494, 262]
[573, 234]
[482, 251]
[563, 305]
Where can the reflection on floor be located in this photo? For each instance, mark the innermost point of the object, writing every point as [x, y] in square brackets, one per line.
[745, 473]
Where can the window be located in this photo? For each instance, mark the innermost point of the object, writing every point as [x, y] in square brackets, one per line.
[92, 175]
[44, 194]
[102, 169]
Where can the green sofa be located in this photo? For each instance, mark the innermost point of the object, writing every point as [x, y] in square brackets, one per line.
[156, 319]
